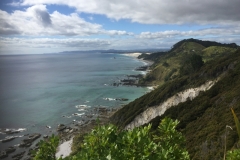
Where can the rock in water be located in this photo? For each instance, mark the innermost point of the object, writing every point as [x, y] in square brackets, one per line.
[61, 127]
[10, 150]
[18, 156]
[28, 141]
[32, 138]
[3, 154]
[7, 139]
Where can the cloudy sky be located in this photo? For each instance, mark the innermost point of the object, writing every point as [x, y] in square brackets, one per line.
[46, 26]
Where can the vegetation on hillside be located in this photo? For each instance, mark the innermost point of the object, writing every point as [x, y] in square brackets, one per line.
[203, 43]
[204, 119]
[47, 149]
[167, 65]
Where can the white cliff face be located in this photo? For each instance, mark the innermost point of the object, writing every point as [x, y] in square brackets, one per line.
[180, 97]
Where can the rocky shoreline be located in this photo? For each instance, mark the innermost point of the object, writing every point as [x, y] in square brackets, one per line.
[100, 115]
[132, 80]
[102, 118]
[25, 146]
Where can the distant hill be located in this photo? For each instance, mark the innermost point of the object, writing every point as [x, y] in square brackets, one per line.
[180, 73]
[167, 65]
[150, 50]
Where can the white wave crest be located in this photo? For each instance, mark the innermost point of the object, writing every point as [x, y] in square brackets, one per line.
[109, 99]
[11, 130]
[82, 106]
[78, 114]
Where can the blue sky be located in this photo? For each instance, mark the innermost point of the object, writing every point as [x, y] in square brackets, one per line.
[47, 26]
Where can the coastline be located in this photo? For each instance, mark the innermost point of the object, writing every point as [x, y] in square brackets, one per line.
[83, 111]
[65, 147]
[136, 54]
[66, 131]
[67, 140]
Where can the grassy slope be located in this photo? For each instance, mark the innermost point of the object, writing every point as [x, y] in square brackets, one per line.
[203, 120]
[216, 51]
[168, 65]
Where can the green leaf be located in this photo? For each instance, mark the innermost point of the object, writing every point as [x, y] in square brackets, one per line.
[236, 122]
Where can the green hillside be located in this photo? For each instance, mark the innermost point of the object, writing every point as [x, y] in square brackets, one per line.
[216, 51]
[167, 65]
[189, 64]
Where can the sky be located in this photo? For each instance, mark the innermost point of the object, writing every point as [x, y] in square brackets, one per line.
[51, 26]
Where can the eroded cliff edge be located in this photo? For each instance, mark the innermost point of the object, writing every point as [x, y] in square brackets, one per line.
[152, 112]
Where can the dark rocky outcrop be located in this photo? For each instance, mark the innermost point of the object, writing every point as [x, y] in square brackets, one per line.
[61, 127]
[142, 68]
[18, 156]
[10, 150]
[129, 82]
[3, 154]
[7, 139]
[28, 141]
[122, 99]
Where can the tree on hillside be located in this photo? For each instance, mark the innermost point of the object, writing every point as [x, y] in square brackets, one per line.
[191, 63]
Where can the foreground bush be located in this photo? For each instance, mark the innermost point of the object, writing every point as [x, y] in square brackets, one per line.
[47, 149]
[109, 143]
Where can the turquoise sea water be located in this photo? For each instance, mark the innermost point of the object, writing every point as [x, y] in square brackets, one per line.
[41, 90]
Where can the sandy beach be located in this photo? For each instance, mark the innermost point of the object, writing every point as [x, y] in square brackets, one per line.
[64, 149]
[135, 55]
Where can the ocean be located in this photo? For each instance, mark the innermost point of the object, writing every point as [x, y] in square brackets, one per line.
[49, 89]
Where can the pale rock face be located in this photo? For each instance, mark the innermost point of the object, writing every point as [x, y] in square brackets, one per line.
[180, 97]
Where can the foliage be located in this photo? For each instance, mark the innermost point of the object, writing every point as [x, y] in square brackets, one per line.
[47, 149]
[177, 56]
[212, 52]
[108, 142]
[203, 120]
[170, 140]
[236, 122]
[170, 74]
[234, 154]
[191, 63]
[152, 57]
[204, 43]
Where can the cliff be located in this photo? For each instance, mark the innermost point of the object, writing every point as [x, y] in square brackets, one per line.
[198, 83]
[152, 112]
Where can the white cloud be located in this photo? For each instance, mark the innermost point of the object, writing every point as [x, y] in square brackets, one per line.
[46, 45]
[118, 33]
[53, 45]
[54, 42]
[158, 11]
[218, 31]
[36, 20]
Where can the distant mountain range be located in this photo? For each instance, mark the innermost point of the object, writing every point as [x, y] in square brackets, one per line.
[119, 51]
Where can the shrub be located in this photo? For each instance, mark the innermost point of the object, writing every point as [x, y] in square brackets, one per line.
[108, 142]
[47, 149]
